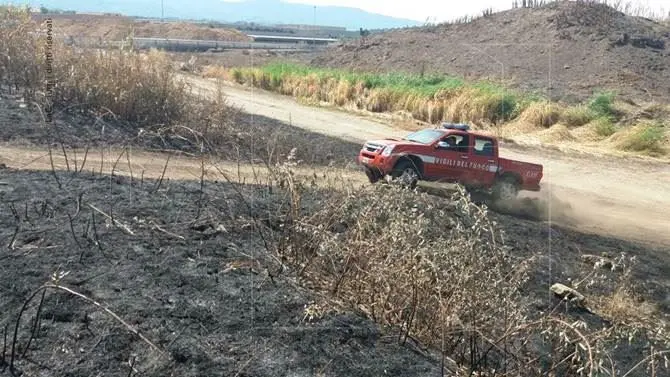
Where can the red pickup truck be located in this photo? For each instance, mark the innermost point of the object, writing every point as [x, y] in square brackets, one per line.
[451, 154]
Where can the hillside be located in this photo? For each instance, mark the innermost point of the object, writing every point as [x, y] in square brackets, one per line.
[258, 11]
[118, 27]
[565, 50]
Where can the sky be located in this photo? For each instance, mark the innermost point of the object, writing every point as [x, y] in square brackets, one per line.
[443, 10]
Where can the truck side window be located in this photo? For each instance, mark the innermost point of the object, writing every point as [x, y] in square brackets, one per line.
[483, 147]
[458, 143]
[463, 144]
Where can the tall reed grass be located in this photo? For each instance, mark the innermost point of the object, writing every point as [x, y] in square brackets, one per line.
[429, 98]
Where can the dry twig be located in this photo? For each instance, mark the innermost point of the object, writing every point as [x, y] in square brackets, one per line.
[119, 224]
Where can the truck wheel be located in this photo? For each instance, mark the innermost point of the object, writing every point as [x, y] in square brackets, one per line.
[373, 175]
[406, 174]
[505, 188]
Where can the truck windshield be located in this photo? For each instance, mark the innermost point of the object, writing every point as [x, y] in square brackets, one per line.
[424, 136]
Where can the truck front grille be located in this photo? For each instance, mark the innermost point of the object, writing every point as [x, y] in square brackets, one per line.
[373, 148]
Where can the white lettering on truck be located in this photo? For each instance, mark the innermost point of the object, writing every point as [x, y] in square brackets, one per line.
[466, 164]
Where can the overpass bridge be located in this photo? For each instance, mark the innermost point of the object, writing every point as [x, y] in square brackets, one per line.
[205, 45]
[292, 39]
[259, 42]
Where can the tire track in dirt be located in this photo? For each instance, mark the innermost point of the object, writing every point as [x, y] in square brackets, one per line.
[615, 196]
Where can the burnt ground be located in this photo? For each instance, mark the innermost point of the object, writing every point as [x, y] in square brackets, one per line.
[172, 280]
[566, 50]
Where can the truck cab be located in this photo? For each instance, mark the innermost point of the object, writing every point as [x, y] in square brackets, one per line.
[451, 154]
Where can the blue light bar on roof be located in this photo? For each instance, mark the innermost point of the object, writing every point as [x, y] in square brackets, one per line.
[456, 126]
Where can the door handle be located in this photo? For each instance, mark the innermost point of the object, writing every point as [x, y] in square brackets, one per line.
[464, 157]
[491, 160]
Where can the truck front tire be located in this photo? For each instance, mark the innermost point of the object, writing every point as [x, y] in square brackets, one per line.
[406, 173]
[373, 175]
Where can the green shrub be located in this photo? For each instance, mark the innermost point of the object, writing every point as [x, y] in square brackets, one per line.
[646, 137]
[602, 104]
[238, 75]
[507, 108]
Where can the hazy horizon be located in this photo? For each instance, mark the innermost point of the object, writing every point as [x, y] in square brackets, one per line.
[421, 10]
[351, 14]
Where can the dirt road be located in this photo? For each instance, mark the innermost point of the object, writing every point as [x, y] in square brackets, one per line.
[605, 195]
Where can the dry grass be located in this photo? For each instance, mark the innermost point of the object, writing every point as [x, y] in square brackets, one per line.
[648, 137]
[216, 71]
[623, 307]
[434, 100]
[138, 90]
[19, 62]
[576, 116]
[541, 114]
[139, 98]
[604, 127]
[403, 272]
[586, 133]
[517, 128]
[557, 134]
[133, 87]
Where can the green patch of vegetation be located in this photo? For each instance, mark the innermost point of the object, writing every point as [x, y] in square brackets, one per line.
[508, 107]
[427, 86]
[647, 137]
[602, 104]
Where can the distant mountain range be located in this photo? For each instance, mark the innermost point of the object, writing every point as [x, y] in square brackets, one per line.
[257, 11]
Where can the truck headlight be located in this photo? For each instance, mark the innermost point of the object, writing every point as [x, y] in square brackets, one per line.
[387, 150]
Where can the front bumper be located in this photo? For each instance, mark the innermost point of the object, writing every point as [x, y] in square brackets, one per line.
[375, 166]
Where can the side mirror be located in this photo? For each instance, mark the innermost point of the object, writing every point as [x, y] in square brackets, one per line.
[442, 145]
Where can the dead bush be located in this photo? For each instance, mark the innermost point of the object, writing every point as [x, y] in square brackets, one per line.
[134, 87]
[138, 93]
[437, 273]
[20, 51]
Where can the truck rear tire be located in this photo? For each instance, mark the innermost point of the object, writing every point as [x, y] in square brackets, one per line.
[505, 188]
[406, 174]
